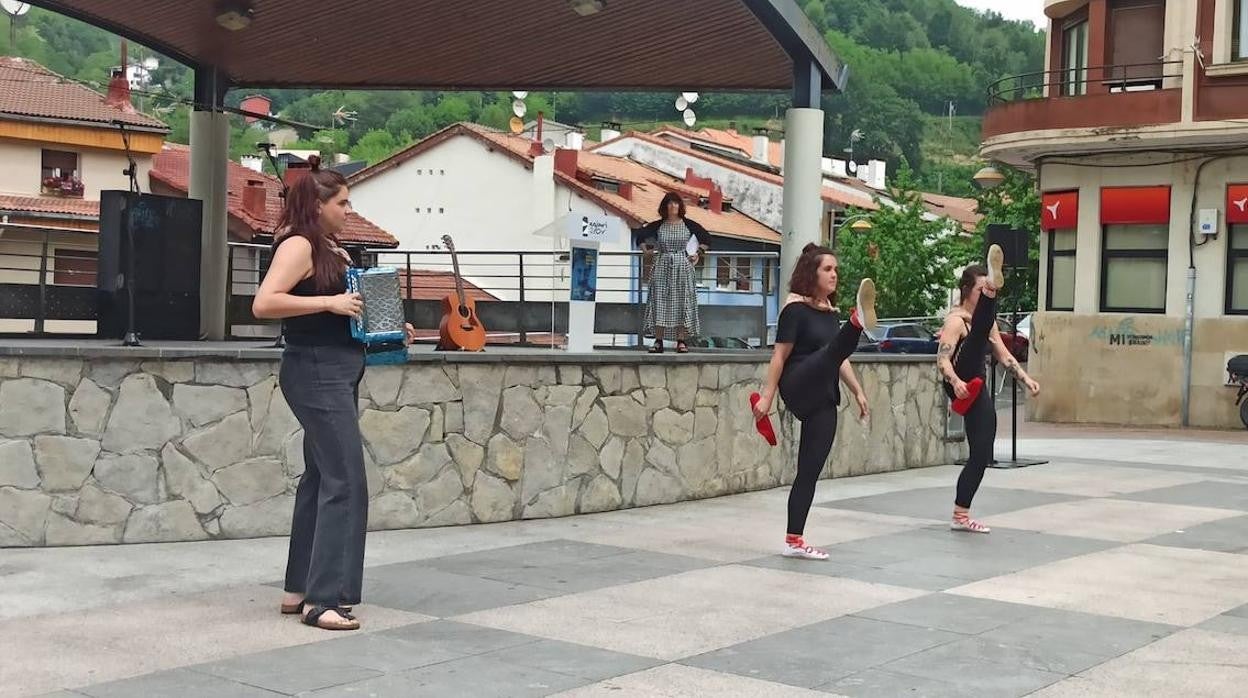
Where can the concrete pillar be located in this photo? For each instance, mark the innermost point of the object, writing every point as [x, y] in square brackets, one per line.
[803, 187]
[210, 152]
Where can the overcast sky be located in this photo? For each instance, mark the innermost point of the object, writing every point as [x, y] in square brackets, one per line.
[1012, 9]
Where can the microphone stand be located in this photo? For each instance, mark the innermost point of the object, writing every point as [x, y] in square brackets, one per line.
[131, 338]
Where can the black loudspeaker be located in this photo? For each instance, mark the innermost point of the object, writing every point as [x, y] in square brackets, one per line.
[1014, 244]
[152, 243]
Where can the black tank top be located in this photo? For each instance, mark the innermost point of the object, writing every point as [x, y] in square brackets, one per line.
[317, 329]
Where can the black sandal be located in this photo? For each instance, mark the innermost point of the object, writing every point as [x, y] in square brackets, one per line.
[681, 347]
[313, 618]
[658, 347]
[293, 609]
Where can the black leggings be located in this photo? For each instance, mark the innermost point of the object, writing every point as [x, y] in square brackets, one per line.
[980, 422]
[809, 388]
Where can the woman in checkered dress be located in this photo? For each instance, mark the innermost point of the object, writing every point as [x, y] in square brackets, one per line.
[673, 299]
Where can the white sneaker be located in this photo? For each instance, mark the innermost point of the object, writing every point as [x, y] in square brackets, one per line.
[803, 551]
[996, 259]
[865, 304]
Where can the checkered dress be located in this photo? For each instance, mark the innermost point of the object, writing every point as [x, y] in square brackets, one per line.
[673, 297]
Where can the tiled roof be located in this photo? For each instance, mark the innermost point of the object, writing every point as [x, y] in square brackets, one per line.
[428, 285]
[29, 90]
[964, 211]
[729, 138]
[52, 205]
[172, 167]
[649, 185]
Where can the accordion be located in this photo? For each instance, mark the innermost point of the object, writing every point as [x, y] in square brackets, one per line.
[380, 327]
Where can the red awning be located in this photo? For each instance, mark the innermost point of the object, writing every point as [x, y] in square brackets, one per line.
[1135, 205]
[1237, 203]
[1060, 211]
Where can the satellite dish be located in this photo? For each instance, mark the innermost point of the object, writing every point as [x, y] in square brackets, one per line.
[690, 97]
[548, 145]
[681, 104]
[14, 8]
[516, 124]
[518, 108]
[519, 94]
[690, 117]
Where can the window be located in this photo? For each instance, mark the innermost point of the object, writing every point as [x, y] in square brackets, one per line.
[1137, 39]
[59, 173]
[769, 276]
[1075, 58]
[732, 273]
[1237, 270]
[1134, 260]
[1061, 278]
[1239, 31]
[74, 267]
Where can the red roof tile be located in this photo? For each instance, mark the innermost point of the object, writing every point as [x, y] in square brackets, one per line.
[172, 167]
[29, 90]
[649, 185]
[428, 285]
[53, 205]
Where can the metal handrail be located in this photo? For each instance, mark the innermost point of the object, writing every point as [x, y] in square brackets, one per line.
[1033, 85]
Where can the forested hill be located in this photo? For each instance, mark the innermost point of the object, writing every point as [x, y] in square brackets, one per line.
[909, 59]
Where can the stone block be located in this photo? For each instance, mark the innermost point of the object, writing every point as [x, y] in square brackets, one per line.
[170, 521]
[492, 499]
[601, 494]
[468, 456]
[625, 417]
[521, 415]
[224, 444]
[504, 457]
[268, 518]
[482, 389]
[30, 406]
[95, 506]
[23, 514]
[392, 510]
[142, 419]
[234, 373]
[673, 427]
[62, 530]
[427, 385]
[17, 465]
[89, 407]
[64, 462]
[251, 481]
[205, 404]
[134, 476]
[393, 436]
[654, 487]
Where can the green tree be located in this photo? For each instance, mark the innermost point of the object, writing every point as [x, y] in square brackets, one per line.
[1015, 203]
[375, 146]
[912, 259]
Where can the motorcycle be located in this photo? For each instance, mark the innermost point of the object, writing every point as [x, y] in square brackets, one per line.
[1237, 367]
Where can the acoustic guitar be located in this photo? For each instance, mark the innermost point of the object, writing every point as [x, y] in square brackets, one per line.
[461, 329]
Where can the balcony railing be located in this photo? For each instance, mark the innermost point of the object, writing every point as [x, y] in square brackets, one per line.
[1076, 82]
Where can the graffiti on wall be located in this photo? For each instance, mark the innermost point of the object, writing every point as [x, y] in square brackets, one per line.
[1125, 334]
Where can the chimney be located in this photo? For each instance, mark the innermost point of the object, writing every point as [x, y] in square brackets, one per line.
[695, 181]
[610, 131]
[537, 148]
[257, 104]
[716, 200]
[295, 171]
[253, 198]
[565, 161]
[118, 95]
[574, 140]
[626, 190]
[761, 145]
[877, 171]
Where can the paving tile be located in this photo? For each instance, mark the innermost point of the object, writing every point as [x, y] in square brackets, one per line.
[877, 683]
[581, 661]
[962, 663]
[595, 573]
[288, 670]
[1218, 495]
[413, 586]
[691, 613]
[479, 677]
[680, 681]
[1109, 519]
[937, 502]
[541, 554]
[461, 639]
[1192, 662]
[1235, 625]
[823, 652]
[1225, 536]
[175, 682]
[1088, 479]
[1151, 583]
[935, 558]
[1069, 642]
[964, 615]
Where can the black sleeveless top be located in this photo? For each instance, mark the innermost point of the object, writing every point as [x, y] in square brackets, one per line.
[317, 329]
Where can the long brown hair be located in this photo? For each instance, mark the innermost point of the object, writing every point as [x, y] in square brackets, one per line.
[970, 275]
[301, 217]
[805, 279]
[669, 198]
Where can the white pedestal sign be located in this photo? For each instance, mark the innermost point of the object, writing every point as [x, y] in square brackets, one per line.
[585, 234]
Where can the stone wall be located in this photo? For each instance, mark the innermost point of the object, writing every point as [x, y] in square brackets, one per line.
[117, 450]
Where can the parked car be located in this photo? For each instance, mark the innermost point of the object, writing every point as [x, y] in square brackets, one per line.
[900, 338]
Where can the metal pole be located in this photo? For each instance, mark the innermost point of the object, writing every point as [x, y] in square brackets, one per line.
[1014, 392]
[524, 335]
[1188, 320]
[43, 281]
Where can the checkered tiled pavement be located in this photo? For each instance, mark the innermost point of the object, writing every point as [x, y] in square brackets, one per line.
[1112, 575]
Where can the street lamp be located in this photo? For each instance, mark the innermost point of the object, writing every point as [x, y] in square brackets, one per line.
[858, 224]
[989, 177]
